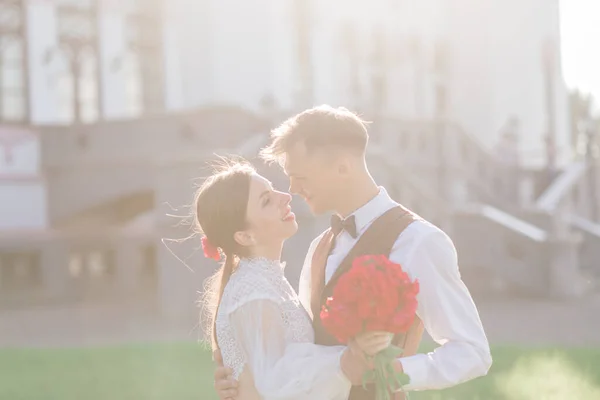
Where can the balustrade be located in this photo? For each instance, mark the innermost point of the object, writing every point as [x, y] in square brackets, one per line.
[67, 267]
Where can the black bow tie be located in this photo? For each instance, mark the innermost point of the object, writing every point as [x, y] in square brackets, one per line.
[348, 224]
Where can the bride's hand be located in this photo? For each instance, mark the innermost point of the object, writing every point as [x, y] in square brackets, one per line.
[371, 343]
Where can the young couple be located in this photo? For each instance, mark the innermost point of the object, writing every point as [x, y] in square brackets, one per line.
[268, 340]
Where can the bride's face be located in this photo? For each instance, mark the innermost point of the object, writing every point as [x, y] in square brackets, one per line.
[269, 215]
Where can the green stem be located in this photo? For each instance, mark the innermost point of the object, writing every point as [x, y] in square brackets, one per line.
[382, 361]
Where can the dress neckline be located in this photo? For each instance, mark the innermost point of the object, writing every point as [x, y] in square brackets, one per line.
[262, 264]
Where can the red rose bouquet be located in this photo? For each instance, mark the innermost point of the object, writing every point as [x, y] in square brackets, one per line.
[374, 295]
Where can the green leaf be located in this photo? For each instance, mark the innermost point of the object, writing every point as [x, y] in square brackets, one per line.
[397, 383]
[401, 378]
[392, 378]
[380, 360]
[378, 375]
[392, 352]
[383, 381]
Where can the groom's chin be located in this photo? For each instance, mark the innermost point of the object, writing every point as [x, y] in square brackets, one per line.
[316, 210]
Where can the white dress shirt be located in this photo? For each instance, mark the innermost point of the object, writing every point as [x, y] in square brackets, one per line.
[445, 305]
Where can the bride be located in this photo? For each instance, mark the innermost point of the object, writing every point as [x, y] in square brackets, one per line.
[263, 332]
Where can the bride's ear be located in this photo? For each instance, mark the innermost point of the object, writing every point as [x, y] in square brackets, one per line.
[243, 238]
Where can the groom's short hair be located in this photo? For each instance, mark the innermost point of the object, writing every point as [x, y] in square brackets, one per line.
[318, 128]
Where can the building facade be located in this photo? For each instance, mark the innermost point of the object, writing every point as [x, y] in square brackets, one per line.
[482, 64]
[97, 211]
[80, 61]
[478, 63]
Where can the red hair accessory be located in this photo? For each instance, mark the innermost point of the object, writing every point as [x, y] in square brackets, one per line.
[210, 251]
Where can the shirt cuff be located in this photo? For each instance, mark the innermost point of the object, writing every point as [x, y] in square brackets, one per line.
[416, 369]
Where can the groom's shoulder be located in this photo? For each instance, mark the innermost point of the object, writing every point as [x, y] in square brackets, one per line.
[426, 234]
[422, 229]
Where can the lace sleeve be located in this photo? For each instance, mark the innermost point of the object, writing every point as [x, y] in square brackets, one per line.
[281, 369]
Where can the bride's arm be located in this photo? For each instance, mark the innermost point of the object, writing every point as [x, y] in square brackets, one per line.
[284, 370]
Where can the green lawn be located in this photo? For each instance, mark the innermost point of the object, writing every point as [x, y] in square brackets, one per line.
[180, 371]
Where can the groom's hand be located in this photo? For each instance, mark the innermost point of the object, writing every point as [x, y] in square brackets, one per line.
[225, 385]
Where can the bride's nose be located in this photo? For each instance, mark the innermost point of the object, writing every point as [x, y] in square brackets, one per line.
[286, 198]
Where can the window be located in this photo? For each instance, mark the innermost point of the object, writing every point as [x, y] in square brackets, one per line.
[20, 270]
[78, 87]
[13, 95]
[92, 265]
[64, 89]
[88, 88]
[145, 65]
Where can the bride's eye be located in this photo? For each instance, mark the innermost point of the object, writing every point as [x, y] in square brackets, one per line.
[266, 201]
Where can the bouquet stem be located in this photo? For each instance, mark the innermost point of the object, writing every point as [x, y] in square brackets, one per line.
[386, 379]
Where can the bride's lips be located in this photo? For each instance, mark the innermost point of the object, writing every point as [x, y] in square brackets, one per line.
[289, 215]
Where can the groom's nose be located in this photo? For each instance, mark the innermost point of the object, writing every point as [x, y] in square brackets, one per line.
[294, 187]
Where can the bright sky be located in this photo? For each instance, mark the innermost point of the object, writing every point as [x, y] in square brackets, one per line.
[580, 31]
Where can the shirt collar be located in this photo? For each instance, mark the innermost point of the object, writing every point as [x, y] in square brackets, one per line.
[373, 209]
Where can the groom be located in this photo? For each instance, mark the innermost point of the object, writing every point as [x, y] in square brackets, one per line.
[322, 151]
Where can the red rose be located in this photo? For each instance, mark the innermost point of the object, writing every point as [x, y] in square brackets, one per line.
[340, 320]
[374, 295]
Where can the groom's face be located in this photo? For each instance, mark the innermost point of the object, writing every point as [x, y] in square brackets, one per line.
[314, 177]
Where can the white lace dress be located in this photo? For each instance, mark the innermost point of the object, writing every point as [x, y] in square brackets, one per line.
[263, 329]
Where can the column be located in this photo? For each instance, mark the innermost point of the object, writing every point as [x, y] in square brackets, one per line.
[173, 81]
[114, 60]
[564, 273]
[566, 281]
[129, 261]
[44, 61]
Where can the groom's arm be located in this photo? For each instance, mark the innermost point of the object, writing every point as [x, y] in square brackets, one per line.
[225, 385]
[304, 286]
[448, 313]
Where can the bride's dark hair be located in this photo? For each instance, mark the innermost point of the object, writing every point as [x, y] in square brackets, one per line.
[221, 204]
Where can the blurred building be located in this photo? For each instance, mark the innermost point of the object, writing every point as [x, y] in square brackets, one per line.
[22, 185]
[109, 109]
[478, 63]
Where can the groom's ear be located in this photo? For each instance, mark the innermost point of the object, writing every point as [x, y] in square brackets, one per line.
[243, 238]
[344, 165]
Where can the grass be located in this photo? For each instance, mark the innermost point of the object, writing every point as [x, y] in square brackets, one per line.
[183, 371]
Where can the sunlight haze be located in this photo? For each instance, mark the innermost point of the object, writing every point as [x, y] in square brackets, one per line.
[580, 25]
